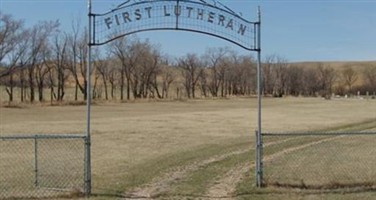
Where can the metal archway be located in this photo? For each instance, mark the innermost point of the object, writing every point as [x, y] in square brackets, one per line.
[208, 17]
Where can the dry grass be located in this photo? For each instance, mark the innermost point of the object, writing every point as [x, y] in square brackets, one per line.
[343, 161]
[133, 143]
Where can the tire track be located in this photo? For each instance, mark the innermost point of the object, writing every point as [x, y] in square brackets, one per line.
[226, 186]
[162, 184]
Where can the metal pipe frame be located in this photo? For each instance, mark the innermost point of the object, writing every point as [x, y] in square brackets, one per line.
[258, 167]
[88, 107]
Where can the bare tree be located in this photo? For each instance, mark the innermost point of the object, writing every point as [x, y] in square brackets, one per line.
[74, 55]
[102, 68]
[96, 93]
[267, 74]
[215, 59]
[51, 81]
[11, 33]
[120, 49]
[280, 76]
[247, 76]
[168, 77]
[192, 68]
[82, 57]
[60, 60]
[203, 82]
[154, 70]
[350, 76]
[38, 37]
[9, 83]
[295, 81]
[18, 59]
[22, 84]
[113, 75]
[146, 71]
[370, 77]
[326, 77]
[231, 79]
[310, 82]
[223, 73]
[42, 69]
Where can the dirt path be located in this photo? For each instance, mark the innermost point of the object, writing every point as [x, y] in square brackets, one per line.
[226, 186]
[163, 183]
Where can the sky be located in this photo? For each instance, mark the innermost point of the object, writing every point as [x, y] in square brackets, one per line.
[298, 30]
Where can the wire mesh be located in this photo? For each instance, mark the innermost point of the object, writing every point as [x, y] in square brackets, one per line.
[174, 15]
[320, 161]
[36, 167]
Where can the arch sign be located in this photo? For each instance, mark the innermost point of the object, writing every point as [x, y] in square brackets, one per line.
[208, 17]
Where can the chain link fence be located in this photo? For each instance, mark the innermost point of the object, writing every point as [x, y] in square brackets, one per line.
[320, 161]
[41, 166]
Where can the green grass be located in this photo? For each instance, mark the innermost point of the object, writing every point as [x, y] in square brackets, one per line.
[358, 126]
[145, 172]
[198, 182]
[335, 161]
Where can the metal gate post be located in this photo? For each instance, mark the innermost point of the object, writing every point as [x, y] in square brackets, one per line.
[259, 96]
[87, 168]
[88, 108]
[259, 165]
[36, 160]
[257, 159]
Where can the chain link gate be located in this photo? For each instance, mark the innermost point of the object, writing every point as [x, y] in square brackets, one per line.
[319, 161]
[39, 166]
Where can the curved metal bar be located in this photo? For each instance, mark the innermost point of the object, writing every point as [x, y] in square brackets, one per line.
[318, 133]
[174, 29]
[246, 42]
[187, 1]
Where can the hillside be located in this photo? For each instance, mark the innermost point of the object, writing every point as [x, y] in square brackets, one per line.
[336, 64]
[357, 66]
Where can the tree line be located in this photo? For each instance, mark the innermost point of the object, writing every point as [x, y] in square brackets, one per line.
[318, 79]
[42, 63]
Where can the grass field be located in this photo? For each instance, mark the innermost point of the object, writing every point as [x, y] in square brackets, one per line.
[205, 148]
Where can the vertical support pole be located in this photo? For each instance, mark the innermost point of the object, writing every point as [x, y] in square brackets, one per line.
[88, 107]
[36, 160]
[257, 160]
[259, 96]
[177, 10]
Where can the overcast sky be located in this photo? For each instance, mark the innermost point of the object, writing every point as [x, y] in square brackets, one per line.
[300, 30]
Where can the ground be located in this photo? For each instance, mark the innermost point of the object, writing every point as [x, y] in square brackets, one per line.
[204, 149]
